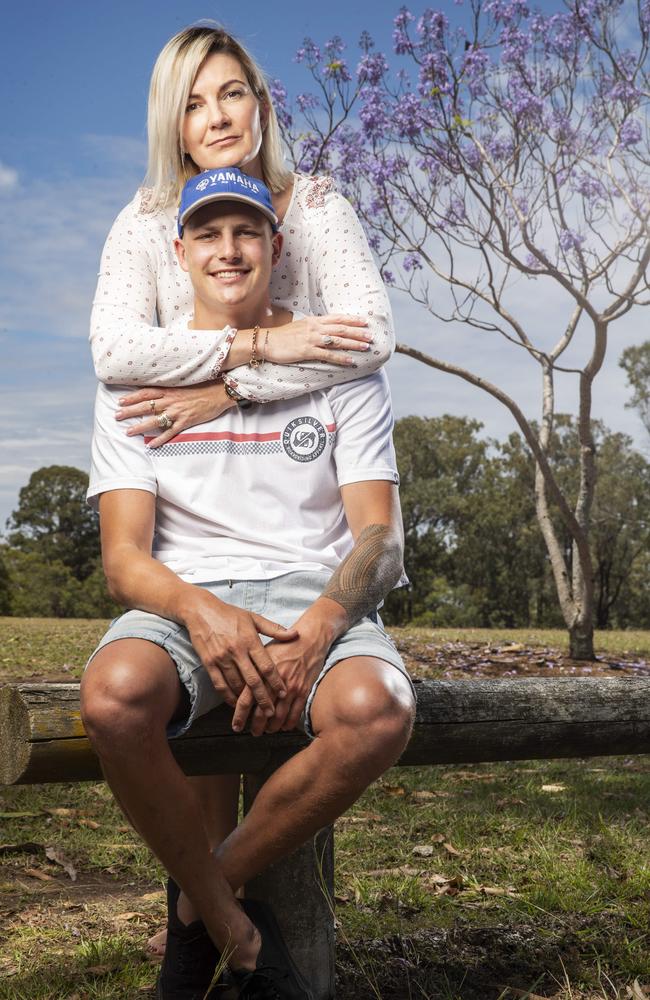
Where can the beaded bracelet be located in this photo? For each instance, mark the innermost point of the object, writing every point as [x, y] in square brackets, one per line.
[255, 362]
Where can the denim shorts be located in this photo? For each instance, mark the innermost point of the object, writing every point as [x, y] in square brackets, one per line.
[282, 599]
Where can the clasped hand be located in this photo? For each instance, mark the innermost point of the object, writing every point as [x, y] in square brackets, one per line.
[227, 640]
[298, 661]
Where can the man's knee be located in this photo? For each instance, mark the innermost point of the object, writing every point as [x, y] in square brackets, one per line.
[372, 702]
[127, 693]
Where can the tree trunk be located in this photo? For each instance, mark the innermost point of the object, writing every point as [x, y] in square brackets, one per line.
[581, 641]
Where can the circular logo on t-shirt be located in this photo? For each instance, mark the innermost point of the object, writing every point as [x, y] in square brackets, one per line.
[304, 439]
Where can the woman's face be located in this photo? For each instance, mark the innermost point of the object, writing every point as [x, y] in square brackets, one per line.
[222, 126]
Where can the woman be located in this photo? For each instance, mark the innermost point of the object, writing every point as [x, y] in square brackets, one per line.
[210, 108]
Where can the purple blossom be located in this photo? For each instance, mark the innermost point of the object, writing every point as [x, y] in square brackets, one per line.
[401, 41]
[630, 133]
[308, 53]
[472, 155]
[349, 145]
[515, 45]
[507, 11]
[337, 68]
[366, 42]
[336, 65]
[307, 102]
[456, 211]
[533, 263]
[570, 240]
[430, 165]
[432, 27]
[371, 68]
[278, 94]
[373, 114]
[311, 155]
[526, 107]
[589, 187]
[381, 170]
[500, 147]
[562, 129]
[434, 74]
[475, 66]
[412, 263]
[559, 34]
[407, 117]
[334, 48]
[388, 276]
[622, 89]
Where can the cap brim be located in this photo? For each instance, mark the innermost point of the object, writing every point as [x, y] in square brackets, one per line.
[226, 196]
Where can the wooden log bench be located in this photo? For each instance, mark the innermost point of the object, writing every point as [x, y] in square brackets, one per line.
[42, 740]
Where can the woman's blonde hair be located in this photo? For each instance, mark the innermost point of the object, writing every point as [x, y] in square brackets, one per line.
[171, 83]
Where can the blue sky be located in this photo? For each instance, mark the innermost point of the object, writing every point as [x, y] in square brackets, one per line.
[72, 151]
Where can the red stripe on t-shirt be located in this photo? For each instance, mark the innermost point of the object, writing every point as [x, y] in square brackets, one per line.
[222, 436]
[330, 427]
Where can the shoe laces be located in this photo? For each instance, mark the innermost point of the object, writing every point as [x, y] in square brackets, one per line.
[264, 984]
[189, 951]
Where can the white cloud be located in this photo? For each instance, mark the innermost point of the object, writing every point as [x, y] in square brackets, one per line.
[53, 233]
[122, 150]
[8, 177]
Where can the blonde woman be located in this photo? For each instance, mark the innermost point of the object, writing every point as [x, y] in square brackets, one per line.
[210, 109]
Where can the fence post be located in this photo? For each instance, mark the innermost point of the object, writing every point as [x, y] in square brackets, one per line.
[301, 890]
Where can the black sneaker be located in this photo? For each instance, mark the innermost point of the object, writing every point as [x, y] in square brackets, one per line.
[190, 956]
[275, 976]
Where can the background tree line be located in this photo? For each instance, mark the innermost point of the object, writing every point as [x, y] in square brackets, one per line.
[474, 552]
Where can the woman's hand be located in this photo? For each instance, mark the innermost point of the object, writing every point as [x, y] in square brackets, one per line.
[186, 407]
[315, 338]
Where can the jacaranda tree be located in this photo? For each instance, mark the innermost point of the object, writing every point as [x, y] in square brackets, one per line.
[508, 149]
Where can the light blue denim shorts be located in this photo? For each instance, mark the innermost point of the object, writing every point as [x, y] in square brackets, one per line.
[282, 599]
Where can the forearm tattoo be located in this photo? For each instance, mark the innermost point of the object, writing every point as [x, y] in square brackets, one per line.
[368, 572]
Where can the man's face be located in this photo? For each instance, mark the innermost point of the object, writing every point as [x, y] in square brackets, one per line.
[228, 250]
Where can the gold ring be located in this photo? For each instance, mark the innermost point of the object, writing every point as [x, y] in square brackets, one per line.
[165, 421]
[152, 404]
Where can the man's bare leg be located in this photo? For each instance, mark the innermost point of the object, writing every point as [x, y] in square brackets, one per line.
[362, 718]
[362, 715]
[219, 801]
[129, 693]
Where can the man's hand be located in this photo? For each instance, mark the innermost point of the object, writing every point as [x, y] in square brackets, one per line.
[227, 640]
[298, 662]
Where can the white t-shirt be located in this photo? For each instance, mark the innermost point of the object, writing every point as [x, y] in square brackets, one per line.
[255, 493]
[326, 267]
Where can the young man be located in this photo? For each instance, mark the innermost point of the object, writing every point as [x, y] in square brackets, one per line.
[292, 508]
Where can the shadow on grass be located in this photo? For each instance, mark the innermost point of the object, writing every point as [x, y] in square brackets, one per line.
[465, 963]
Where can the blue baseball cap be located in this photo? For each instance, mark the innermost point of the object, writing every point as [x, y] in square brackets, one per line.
[224, 185]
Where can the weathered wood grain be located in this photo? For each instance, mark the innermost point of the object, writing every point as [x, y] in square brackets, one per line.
[42, 737]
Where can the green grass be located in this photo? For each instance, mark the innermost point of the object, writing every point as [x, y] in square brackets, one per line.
[514, 883]
[53, 647]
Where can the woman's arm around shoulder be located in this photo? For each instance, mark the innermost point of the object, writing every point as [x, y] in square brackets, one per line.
[138, 268]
